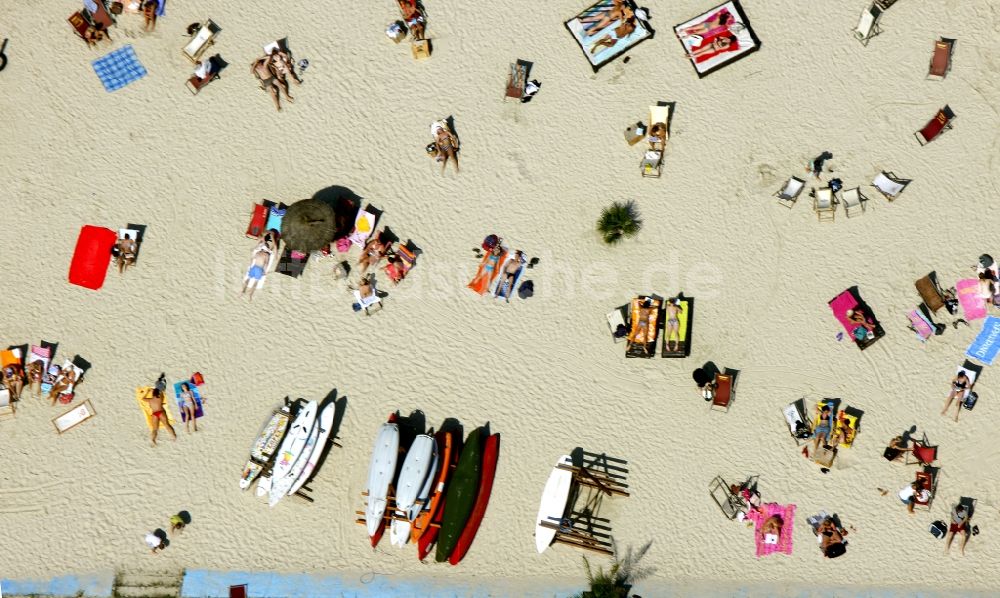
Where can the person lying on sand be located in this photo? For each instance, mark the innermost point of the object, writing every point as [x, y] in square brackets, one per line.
[772, 526]
[258, 265]
[268, 80]
[445, 144]
[155, 401]
[35, 373]
[189, 406]
[823, 429]
[63, 383]
[375, 249]
[282, 67]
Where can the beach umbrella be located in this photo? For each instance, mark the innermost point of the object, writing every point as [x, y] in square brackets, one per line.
[308, 225]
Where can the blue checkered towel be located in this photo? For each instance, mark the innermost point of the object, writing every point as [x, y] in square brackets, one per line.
[119, 68]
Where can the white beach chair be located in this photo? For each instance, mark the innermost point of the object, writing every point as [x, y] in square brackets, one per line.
[617, 318]
[204, 38]
[889, 185]
[369, 304]
[853, 199]
[652, 160]
[824, 204]
[788, 194]
[74, 417]
[868, 24]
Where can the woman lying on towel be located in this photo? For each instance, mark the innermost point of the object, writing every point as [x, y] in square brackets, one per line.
[485, 276]
[262, 69]
[619, 10]
[625, 29]
[823, 429]
[64, 383]
[832, 541]
[35, 372]
[714, 46]
[710, 27]
[857, 317]
[13, 379]
[772, 527]
[375, 249]
[445, 144]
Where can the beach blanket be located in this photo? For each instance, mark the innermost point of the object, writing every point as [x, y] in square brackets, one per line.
[89, 265]
[768, 544]
[717, 37]
[608, 29]
[274, 218]
[119, 68]
[920, 325]
[973, 304]
[140, 395]
[851, 300]
[364, 224]
[987, 343]
[198, 412]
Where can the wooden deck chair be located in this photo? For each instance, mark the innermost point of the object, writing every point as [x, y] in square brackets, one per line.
[789, 194]
[652, 160]
[201, 40]
[937, 125]
[74, 417]
[922, 454]
[941, 59]
[927, 480]
[195, 83]
[868, 26]
[799, 424]
[854, 201]
[724, 391]
[99, 13]
[824, 204]
[889, 185]
[517, 79]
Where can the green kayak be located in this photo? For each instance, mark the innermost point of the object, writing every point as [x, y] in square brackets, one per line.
[461, 495]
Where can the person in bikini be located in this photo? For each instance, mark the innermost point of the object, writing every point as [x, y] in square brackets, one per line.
[13, 380]
[824, 428]
[960, 384]
[772, 526]
[481, 282]
[159, 414]
[35, 372]
[445, 144]
[268, 80]
[673, 323]
[604, 17]
[189, 406]
[149, 10]
[64, 383]
[413, 17]
[127, 249]
[282, 67]
[375, 249]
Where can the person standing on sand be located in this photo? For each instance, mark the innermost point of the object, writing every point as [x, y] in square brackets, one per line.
[159, 413]
[156, 541]
[816, 166]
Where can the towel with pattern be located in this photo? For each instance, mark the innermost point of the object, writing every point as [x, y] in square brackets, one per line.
[973, 303]
[784, 539]
[119, 68]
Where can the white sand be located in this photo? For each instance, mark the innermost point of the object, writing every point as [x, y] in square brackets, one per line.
[543, 372]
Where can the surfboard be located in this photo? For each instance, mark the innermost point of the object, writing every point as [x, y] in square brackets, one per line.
[293, 445]
[280, 486]
[325, 426]
[381, 472]
[553, 503]
[411, 480]
[263, 448]
[447, 459]
[425, 492]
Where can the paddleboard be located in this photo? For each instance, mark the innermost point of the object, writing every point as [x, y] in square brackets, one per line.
[381, 472]
[324, 425]
[425, 492]
[263, 448]
[293, 445]
[411, 479]
[281, 486]
[447, 457]
[553, 504]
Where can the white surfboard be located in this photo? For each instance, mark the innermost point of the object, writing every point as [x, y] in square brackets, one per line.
[425, 493]
[293, 445]
[411, 480]
[324, 425]
[380, 474]
[553, 504]
[280, 486]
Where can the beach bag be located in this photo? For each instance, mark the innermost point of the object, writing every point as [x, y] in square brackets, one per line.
[970, 401]
[938, 529]
[527, 289]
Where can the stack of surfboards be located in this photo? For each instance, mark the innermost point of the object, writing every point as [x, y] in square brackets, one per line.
[438, 494]
[287, 449]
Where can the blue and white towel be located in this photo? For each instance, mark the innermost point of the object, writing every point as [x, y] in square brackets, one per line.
[119, 68]
[987, 344]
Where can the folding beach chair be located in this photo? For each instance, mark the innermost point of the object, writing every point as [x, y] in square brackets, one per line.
[369, 304]
[652, 160]
[617, 322]
[195, 83]
[517, 78]
[941, 59]
[922, 454]
[239, 591]
[868, 26]
[824, 204]
[99, 13]
[799, 425]
[6, 406]
[937, 125]
[729, 502]
[723, 392]
[788, 194]
[201, 40]
[926, 480]
[853, 201]
[74, 417]
[889, 185]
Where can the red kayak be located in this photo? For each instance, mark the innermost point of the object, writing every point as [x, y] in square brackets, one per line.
[491, 452]
[390, 506]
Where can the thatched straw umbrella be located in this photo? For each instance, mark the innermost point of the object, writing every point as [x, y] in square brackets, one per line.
[308, 225]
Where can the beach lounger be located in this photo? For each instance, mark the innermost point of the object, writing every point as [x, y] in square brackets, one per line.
[937, 125]
[927, 480]
[198, 411]
[89, 265]
[517, 79]
[6, 405]
[850, 299]
[824, 204]
[98, 13]
[201, 40]
[941, 59]
[645, 327]
[922, 454]
[364, 224]
[789, 194]
[853, 201]
[196, 83]
[617, 322]
[868, 24]
[889, 185]
[239, 591]
[652, 161]
[725, 385]
[66, 396]
[74, 417]
[685, 327]
[848, 425]
[144, 392]
[80, 23]
[369, 304]
[770, 543]
[799, 424]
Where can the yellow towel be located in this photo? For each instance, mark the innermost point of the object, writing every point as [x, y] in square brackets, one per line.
[144, 392]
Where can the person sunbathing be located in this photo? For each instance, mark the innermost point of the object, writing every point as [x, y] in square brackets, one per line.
[13, 380]
[711, 26]
[268, 80]
[604, 17]
[831, 535]
[189, 407]
[375, 249]
[63, 383]
[204, 71]
[511, 270]
[481, 282]
[35, 372]
[445, 144]
[625, 29]
[282, 67]
[657, 137]
[258, 266]
[772, 526]
[673, 326]
[823, 429]
[724, 43]
[960, 384]
[857, 317]
[127, 249]
[413, 17]
[159, 415]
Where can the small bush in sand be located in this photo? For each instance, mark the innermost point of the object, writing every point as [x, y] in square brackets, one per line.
[619, 220]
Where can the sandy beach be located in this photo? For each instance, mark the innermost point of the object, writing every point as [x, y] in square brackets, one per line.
[543, 372]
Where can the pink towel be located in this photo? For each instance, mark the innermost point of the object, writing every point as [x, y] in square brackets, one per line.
[759, 516]
[973, 305]
[840, 304]
[924, 330]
